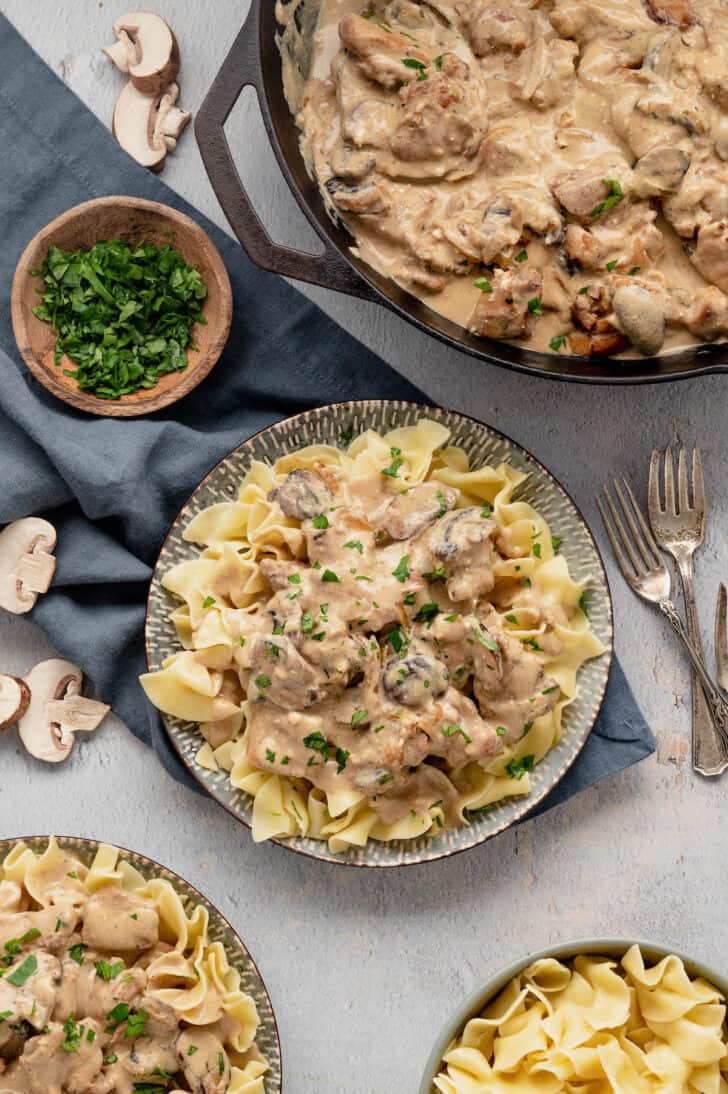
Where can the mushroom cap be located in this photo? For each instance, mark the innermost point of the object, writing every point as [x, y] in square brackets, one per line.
[141, 121]
[26, 563]
[14, 700]
[640, 315]
[48, 681]
[153, 61]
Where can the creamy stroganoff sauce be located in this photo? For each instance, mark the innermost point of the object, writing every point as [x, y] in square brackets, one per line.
[553, 173]
[381, 663]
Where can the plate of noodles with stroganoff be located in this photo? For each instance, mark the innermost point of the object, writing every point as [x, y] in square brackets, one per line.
[116, 974]
[378, 633]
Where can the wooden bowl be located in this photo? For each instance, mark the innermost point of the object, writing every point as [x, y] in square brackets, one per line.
[135, 220]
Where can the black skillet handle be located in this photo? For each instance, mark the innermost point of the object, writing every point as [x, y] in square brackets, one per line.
[242, 68]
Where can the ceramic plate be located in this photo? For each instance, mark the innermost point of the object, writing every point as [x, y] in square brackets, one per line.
[219, 931]
[484, 445]
[563, 951]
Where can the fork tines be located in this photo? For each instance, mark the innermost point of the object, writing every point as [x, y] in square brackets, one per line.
[641, 549]
[676, 506]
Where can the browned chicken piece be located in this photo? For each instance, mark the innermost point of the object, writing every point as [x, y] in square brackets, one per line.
[281, 675]
[591, 193]
[586, 20]
[711, 253]
[85, 994]
[410, 513]
[582, 247]
[544, 72]
[590, 310]
[380, 53]
[679, 13]
[491, 27]
[422, 278]
[706, 315]
[504, 312]
[119, 921]
[702, 197]
[44, 1068]
[438, 116]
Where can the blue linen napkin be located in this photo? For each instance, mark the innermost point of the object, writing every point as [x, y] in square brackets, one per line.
[112, 487]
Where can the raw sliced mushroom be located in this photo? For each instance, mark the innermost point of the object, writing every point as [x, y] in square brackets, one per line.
[148, 126]
[147, 49]
[26, 563]
[57, 710]
[14, 700]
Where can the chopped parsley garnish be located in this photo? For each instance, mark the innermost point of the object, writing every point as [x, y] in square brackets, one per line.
[117, 1015]
[359, 716]
[294, 579]
[341, 757]
[221, 1063]
[318, 743]
[558, 342]
[486, 511]
[410, 598]
[241, 640]
[398, 640]
[489, 643]
[537, 550]
[452, 618]
[634, 271]
[612, 264]
[521, 256]
[511, 618]
[480, 809]
[401, 571]
[412, 62]
[106, 971]
[616, 193]
[329, 575]
[583, 604]
[318, 637]
[23, 972]
[450, 729]
[149, 1088]
[76, 952]
[306, 622]
[270, 756]
[262, 681]
[501, 731]
[518, 768]
[548, 691]
[72, 1035]
[208, 601]
[192, 1050]
[528, 726]
[279, 629]
[285, 760]
[5, 1014]
[136, 1023]
[526, 582]
[385, 779]
[534, 306]
[355, 545]
[378, 729]
[14, 945]
[320, 522]
[556, 542]
[348, 434]
[427, 613]
[438, 574]
[91, 1036]
[122, 312]
[58, 925]
[442, 503]
[438, 62]
[397, 461]
[112, 1059]
[532, 644]
[483, 284]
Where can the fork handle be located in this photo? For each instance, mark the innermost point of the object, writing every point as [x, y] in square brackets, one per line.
[716, 702]
[710, 755]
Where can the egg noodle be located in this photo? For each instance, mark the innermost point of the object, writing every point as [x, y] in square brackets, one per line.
[597, 1027]
[225, 588]
[56, 916]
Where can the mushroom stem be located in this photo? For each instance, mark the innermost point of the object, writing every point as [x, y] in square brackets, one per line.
[27, 564]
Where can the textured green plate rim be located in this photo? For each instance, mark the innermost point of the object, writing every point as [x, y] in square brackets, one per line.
[251, 982]
[600, 947]
[484, 445]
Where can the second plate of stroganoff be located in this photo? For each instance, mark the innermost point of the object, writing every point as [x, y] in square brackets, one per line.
[379, 633]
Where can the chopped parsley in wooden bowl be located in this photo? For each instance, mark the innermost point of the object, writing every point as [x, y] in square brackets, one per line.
[121, 306]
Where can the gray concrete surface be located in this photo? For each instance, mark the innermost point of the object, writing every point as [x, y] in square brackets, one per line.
[364, 966]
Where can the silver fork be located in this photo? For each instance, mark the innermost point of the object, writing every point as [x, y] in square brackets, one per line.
[679, 528]
[646, 572]
[721, 641]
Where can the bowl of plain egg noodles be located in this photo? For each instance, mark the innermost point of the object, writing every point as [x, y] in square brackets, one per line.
[635, 1015]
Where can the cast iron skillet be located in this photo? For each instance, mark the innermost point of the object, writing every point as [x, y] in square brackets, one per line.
[254, 61]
